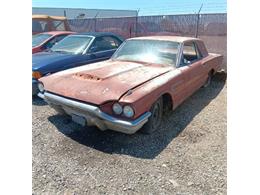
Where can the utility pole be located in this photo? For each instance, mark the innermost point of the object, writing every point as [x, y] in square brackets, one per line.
[198, 21]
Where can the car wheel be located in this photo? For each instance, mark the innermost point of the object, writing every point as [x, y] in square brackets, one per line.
[154, 121]
[208, 80]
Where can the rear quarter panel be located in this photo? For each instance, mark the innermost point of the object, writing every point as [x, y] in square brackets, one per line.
[213, 62]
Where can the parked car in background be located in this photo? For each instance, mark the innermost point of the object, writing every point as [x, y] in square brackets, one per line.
[74, 50]
[45, 23]
[146, 76]
[46, 40]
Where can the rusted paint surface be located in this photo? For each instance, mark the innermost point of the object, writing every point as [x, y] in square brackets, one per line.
[134, 83]
[100, 85]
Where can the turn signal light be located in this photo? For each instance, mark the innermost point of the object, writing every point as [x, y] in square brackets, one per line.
[36, 75]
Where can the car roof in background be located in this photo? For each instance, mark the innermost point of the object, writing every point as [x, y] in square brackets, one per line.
[98, 34]
[178, 39]
[58, 32]
[48, 17]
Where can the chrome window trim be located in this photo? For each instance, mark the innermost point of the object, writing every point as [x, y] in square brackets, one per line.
[181, 54]
[90, 43]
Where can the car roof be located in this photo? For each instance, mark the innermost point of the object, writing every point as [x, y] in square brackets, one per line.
[48, 17]
[97, 34]
[58, 32]
[178, 39]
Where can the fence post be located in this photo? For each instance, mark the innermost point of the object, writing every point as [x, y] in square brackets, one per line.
[198, 21]
[95, 22]
[136, 21]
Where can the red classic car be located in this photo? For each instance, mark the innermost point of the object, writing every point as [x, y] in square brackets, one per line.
[46, 40]
[144, 77]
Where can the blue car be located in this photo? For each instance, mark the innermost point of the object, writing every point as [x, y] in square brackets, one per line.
[74, 50]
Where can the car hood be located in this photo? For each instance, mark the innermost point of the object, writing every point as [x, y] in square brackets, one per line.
[49, 61]
[102, 82]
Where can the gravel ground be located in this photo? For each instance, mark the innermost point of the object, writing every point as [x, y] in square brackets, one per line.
[186, 156]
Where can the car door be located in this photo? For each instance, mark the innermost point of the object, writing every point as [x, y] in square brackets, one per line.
[191, 64]
[103, 48]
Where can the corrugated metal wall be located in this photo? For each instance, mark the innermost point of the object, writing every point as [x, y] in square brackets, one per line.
[72, 13]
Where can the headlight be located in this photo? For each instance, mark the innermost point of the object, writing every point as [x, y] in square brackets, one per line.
[128, 111]
[36, 74]
[41, 87]
[117, 108]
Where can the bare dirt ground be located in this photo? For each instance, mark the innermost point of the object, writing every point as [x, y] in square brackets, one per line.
[187, 155]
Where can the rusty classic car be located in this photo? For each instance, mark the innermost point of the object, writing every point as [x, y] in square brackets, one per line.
[145, 77]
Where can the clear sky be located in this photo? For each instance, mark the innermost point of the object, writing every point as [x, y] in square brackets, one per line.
[147, 7]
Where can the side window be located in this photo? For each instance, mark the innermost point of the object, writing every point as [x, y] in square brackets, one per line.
[60, 37]
[58, 25]
[53, 41]
[50, 43]
[114, 42]
[190, 53]
[105, 43]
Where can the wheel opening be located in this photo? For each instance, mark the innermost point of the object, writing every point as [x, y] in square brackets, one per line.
[167, 103]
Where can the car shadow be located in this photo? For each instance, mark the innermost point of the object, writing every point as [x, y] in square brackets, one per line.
[141, 145]
[38, 101]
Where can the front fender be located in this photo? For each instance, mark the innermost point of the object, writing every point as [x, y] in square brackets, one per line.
[143, 97]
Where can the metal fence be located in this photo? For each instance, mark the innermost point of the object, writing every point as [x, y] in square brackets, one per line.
[212, 28]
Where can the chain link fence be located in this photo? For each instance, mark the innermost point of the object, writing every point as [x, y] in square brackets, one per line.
[211, 28]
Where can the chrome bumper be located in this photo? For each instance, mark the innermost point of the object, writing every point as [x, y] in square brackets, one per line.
[93, 115]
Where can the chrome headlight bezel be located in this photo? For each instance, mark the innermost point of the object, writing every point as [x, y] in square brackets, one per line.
[41, 87]
[128, 111]
[117, 108]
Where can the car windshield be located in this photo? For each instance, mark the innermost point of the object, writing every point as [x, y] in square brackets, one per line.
[74, 44]
[148, 51]
[39, 38]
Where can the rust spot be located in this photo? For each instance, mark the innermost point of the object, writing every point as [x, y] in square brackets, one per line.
[83, 76]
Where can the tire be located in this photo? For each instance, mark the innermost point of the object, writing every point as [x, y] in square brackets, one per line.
[154, 121]
[208, 81]
[221, 76]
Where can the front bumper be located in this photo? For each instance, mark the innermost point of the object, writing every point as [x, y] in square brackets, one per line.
[35, 89]
[93, 115]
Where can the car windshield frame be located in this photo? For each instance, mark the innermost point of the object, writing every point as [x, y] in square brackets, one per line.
[149, 58]
[66, 49]
[40, 38]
